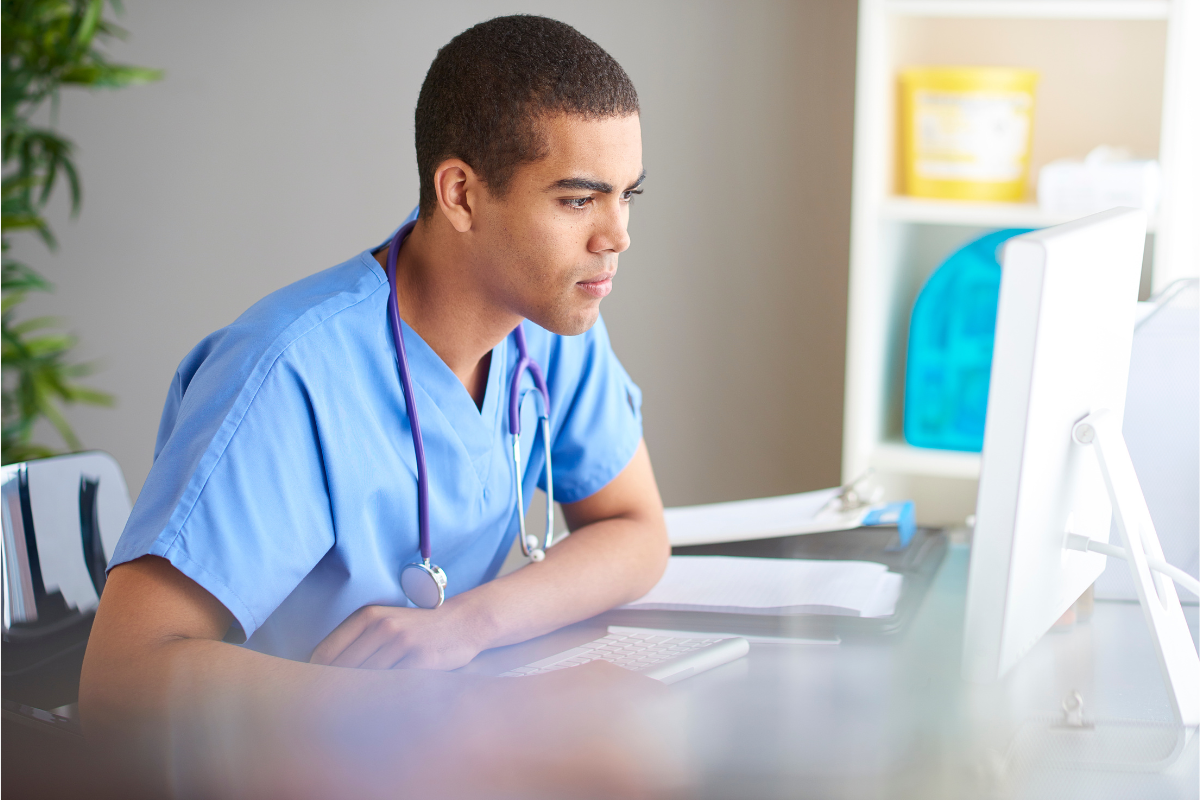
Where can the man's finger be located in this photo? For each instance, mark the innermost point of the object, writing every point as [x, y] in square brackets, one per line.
[386, 657]
[342, 636]
[369, 642]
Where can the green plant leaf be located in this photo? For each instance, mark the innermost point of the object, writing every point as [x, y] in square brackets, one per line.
[47, 45]
[95, 397]
[20, 278]
[111, 76]
[87, 26]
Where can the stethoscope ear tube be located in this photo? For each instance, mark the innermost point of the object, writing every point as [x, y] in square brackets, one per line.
[529, 542]
[549, 483]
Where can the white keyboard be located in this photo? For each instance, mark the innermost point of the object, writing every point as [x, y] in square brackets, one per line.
[664, 657]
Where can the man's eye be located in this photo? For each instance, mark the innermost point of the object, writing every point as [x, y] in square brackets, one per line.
[628, 194]
[577, 202]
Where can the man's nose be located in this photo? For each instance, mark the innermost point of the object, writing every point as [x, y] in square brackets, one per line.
[612, 234]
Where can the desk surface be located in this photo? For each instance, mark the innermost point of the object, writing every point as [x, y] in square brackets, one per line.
[890, 717]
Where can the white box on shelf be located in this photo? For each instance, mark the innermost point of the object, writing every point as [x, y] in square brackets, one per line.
[1106, 179]
[904, 458]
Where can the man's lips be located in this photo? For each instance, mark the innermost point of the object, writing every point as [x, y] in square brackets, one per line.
[598, 287]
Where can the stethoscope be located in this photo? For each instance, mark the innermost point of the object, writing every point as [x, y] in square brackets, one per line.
[423, 582]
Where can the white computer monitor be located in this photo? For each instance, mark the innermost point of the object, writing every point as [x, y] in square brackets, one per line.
[1052, 450]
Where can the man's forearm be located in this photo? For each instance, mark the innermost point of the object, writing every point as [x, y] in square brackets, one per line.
[600, 565]
[165, 690]
[594, 569]
[219, 719]
[135, 674]
[145, 685]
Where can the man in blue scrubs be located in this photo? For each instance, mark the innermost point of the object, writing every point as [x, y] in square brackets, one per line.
[281, 506]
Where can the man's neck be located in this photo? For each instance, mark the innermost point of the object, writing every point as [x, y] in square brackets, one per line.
[441, 298]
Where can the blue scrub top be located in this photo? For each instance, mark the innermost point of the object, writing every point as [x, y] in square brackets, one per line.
[284, 480]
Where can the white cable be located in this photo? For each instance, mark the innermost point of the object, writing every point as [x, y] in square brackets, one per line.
[1077, 542]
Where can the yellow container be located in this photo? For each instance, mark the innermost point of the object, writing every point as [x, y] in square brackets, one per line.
[965, 132]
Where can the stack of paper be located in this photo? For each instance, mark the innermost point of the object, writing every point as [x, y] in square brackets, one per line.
[774, 586]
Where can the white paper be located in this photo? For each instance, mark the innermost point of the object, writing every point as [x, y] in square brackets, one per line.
[887, 594]
[761, 518]
[749, 637]
[776, 586]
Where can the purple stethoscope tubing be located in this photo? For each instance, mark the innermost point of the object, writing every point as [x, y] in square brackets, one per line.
[524, 362]
[410, 401]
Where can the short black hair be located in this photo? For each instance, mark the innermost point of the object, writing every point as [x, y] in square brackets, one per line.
[488, 88]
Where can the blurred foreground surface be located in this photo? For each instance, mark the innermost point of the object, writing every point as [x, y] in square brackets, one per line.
[869, 718]
[890, 717]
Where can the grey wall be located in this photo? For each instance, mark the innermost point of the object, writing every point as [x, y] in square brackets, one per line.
[280, 143]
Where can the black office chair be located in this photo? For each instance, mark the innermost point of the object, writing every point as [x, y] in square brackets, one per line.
[48, 610]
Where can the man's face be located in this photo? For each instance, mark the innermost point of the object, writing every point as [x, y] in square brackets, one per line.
[552, 241]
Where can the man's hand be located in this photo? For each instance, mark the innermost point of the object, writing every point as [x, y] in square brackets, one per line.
[387, 637]
[617, 550]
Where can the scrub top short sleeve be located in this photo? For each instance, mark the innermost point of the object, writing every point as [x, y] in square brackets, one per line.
[237, 498]
[255, 522]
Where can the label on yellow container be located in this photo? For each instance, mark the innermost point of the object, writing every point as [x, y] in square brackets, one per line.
[971, 136]
[966, 132]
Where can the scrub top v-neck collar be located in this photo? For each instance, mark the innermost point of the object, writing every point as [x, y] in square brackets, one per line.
[441, 392]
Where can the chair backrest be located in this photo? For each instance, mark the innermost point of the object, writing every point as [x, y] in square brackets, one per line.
[62, 518]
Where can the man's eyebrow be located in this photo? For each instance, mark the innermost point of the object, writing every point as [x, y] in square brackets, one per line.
[591, 185]
[584, 184]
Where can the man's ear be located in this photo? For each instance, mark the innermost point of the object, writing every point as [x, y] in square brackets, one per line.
[456, 185]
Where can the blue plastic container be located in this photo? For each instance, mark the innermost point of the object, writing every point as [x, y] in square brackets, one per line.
[950, 348]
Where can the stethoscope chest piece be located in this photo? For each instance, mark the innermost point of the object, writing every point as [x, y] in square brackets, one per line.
[423, 584]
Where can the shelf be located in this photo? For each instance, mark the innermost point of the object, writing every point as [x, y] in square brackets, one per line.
[898, 457]
[973, 214]
[1033, 9]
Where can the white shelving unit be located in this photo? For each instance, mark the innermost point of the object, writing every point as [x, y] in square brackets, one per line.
[1120, 72]
[982, 215]
[1033, 9]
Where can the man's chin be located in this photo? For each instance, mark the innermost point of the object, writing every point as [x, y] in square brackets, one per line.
[570, 323]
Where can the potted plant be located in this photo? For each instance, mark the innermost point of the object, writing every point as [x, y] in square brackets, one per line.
[48, 45]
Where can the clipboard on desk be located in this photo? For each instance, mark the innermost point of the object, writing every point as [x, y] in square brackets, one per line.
[916, 560]
[842, 508]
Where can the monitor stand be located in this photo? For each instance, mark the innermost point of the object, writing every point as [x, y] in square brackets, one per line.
[1074, 741]
[1156, 592]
